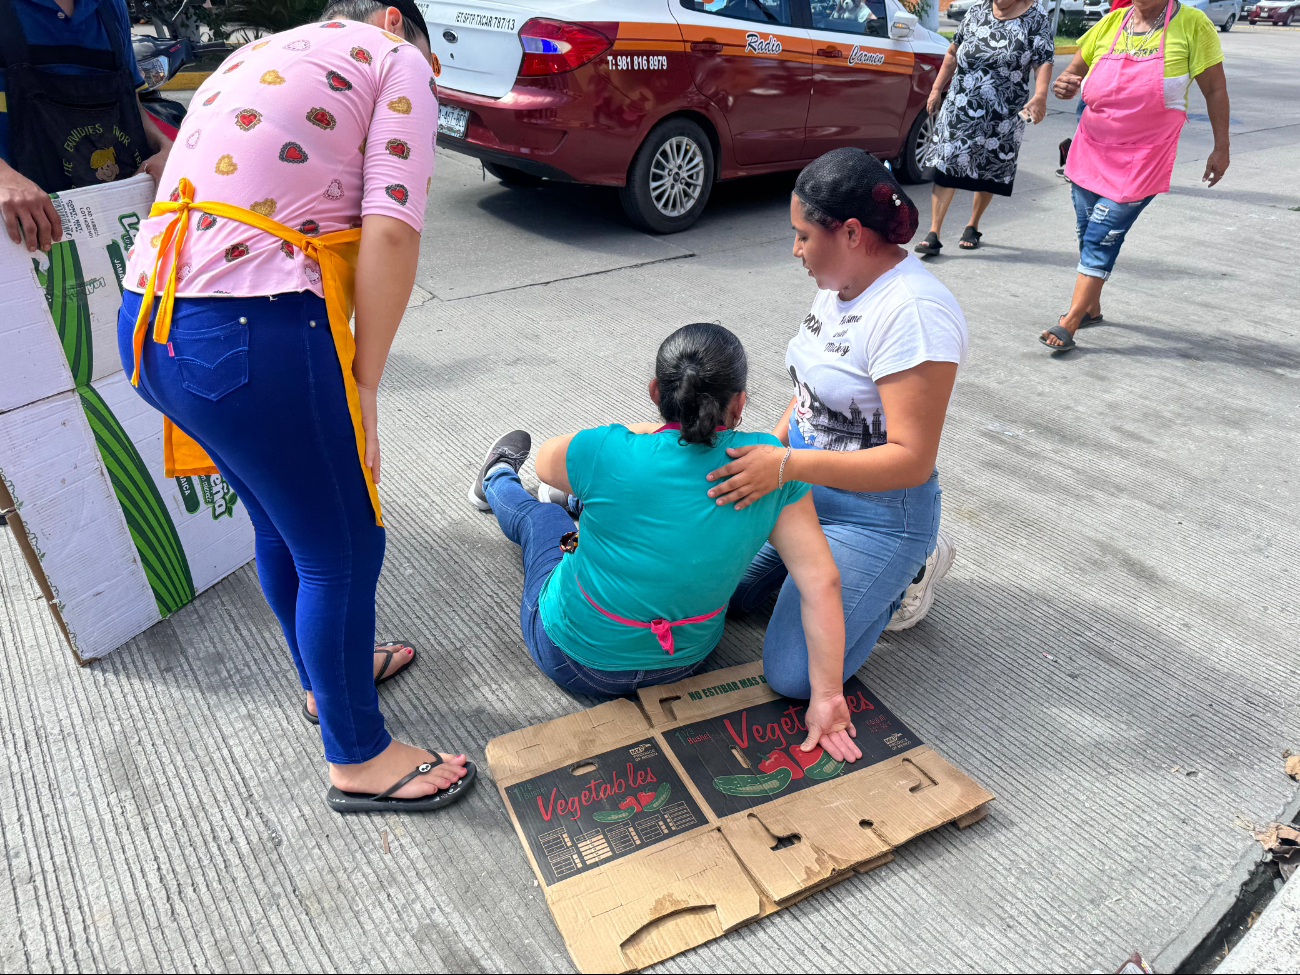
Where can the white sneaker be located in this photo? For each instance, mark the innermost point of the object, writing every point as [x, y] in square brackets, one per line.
[553, 495]
[919, 596]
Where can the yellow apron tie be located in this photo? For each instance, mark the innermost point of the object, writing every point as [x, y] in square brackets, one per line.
[336, 254]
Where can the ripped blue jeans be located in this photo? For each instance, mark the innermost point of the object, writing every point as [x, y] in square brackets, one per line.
[1100, 225]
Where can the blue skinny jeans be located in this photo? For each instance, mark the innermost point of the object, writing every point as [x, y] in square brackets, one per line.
[536, 528]
[257, 383]
[880, 541]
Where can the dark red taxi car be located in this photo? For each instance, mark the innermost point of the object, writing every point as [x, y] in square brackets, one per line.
[662, 98]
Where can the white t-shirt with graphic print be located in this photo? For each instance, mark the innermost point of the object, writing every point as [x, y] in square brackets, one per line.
[904, 318]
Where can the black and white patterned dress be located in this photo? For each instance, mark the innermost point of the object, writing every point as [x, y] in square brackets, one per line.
[977, 134]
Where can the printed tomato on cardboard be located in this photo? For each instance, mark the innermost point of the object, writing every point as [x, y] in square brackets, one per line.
[776, 759]
[660, 797]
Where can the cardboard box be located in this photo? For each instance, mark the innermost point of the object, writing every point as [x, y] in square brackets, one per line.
[653, 829]
[59, 327]
[114, 545]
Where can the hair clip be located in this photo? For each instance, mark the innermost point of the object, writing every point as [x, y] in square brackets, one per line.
[897, 201]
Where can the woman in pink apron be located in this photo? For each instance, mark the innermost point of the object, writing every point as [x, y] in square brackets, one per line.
[1132, 70]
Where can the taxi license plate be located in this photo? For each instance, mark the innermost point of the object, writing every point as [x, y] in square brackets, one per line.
[452, 120]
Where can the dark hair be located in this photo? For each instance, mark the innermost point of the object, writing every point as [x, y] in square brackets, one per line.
[700, 367]
[848, 183]
[413, 25]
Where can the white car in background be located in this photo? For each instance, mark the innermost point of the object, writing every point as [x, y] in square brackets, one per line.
[1222, 13]
[960, 8]
[1094, 10]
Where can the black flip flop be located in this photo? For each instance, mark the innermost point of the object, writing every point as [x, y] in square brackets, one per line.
[354, 802]
[388, 648]
[930, 246]
[1062, 333]
[385, 648]
[970, 238]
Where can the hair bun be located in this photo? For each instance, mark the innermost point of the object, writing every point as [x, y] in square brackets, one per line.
[847, 183]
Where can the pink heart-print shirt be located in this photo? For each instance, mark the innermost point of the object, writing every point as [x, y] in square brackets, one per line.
[315, 127]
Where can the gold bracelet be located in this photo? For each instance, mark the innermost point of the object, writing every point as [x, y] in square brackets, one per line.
[780, 475]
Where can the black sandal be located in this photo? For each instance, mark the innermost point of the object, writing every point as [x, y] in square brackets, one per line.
[970, 238]
[389, 649]
[930, 246]
[1087, 322]
[1062, 333]
[352, 802]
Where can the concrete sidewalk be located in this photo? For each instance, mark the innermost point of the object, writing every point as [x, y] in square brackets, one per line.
[1113, 653]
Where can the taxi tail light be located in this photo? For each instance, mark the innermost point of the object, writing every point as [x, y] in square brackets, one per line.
[554, 47]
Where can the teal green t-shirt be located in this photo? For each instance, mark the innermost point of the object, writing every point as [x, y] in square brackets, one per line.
[652, 545]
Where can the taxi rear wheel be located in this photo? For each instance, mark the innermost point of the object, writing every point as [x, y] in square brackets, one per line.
[908, 165]
[671, 176]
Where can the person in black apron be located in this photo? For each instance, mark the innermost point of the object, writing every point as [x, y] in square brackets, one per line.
[67, 130]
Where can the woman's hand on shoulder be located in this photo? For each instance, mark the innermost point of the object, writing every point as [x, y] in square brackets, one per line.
[751, 474]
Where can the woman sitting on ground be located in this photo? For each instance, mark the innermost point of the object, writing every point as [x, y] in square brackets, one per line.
[642, 599]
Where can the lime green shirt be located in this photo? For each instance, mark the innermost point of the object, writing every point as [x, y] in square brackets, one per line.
[1193, 46]
[652, 544]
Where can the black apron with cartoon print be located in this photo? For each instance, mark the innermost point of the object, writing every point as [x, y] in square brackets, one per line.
[70, 130]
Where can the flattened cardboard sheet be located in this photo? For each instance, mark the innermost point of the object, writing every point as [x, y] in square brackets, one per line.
[655, 829]
[793, 835]
[639, 907]
[748, 757]
[602, 809]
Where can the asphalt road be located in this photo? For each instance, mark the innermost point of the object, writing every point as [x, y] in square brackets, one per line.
[1113, 653]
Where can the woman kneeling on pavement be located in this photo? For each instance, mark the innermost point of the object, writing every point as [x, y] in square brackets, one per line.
[873, 366]
[251, 358]
[640, 598]
[1133, 71]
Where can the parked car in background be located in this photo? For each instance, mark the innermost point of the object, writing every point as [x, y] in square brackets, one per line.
[1222, 13]
[1094, 10]
[959, 8]
[662, 98]
[1282, 12]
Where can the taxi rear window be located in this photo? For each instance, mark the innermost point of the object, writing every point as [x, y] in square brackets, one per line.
[760, 11]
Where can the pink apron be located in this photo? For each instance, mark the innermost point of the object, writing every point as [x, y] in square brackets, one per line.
[1127, 139]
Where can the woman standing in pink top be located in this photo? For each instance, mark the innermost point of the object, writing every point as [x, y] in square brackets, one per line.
[1132, 70]
[295, 195]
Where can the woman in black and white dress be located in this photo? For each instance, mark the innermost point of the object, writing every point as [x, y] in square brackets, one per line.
[999, 49]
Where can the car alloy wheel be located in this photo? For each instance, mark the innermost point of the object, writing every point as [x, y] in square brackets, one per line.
[922, 140]
[676, 176]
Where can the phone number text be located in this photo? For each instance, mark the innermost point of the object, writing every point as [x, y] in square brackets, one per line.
[635, 62]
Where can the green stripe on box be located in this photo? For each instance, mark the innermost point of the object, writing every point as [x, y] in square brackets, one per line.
[65, 292]
[151, 527]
